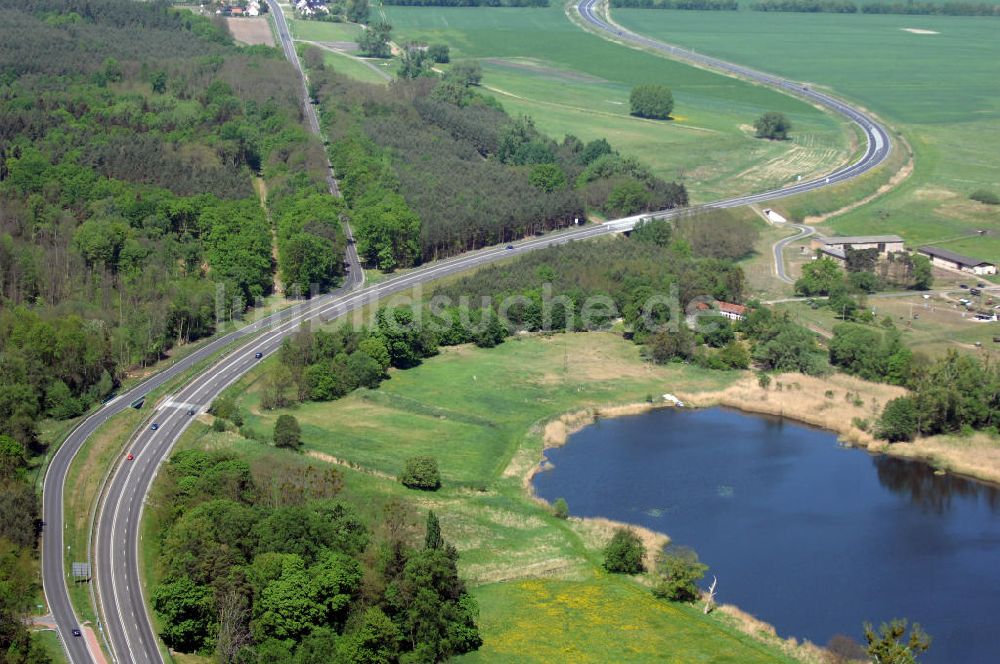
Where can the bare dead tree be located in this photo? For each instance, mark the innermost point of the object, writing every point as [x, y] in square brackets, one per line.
[710, 601]
[234, 625]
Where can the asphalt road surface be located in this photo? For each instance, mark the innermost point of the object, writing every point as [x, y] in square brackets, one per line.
[779, 249]
[126, 623]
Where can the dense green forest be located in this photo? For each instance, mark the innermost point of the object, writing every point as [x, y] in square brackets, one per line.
[431, 168]
[271, 564]
[130, 137]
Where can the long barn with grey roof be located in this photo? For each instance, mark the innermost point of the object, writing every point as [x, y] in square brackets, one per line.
[955, 261]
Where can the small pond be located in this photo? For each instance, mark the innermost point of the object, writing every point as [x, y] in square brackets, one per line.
[807, 535]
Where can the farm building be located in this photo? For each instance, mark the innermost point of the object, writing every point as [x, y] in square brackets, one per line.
[954, 261]
[732, 311]
[836, 247]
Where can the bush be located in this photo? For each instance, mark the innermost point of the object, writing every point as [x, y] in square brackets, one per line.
[287, 433]
[985, 196]
[560, 508]
[218, 425]
[439, 53]
[623, 554]
[651, 101]
[421, 472]
[773, 126]
[678, 572]
[898, 421]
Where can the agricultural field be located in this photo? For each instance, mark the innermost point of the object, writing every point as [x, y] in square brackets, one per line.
[251, 30]
[938, 87]
[537, 62]
[480, 413]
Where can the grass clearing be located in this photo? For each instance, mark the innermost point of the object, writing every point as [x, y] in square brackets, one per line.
[482, 414]
[362, 69]
[941, 94]
[52, 645]
[474, 435]
[601, 619]
[322, 31]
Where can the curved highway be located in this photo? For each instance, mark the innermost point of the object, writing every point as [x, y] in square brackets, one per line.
[122, 602]
[878, 142]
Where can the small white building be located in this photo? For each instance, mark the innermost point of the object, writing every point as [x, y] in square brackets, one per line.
[773, 216]
[732, 311]
[955, 261]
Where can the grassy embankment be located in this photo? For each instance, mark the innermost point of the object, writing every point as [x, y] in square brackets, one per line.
[53, 646]
[938, 89]
[537, 62]
[486, 416]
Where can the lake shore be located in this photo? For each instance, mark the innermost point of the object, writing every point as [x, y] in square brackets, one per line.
[556, 433]
[839, 403]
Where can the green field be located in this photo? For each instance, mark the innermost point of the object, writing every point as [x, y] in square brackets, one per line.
[939, 89]
[543, 596]
[537, 62]
[361, 69]
[322, 31]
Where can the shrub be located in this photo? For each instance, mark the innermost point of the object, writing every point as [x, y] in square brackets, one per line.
[651, 101]
[898, 421]
[439, 53]
[287, 433]
[773, 126]
[623, 554]
[421, 472]
[985, 196]
[218, 425]
[560, 508]
[678, 572]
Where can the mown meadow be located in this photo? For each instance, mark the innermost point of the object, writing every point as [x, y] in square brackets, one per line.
[938, 87]
[537, 62]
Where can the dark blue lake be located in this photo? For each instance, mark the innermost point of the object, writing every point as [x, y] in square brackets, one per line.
[809, 536]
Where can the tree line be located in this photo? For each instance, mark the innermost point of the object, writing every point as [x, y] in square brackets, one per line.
[274, 564]
[850, 7]
[698, 5]
[430, 168]
[821, 6]
[551, 290]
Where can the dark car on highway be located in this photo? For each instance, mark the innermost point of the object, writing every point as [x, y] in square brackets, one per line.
[258, 355]
[154, 426]
[77, 632]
